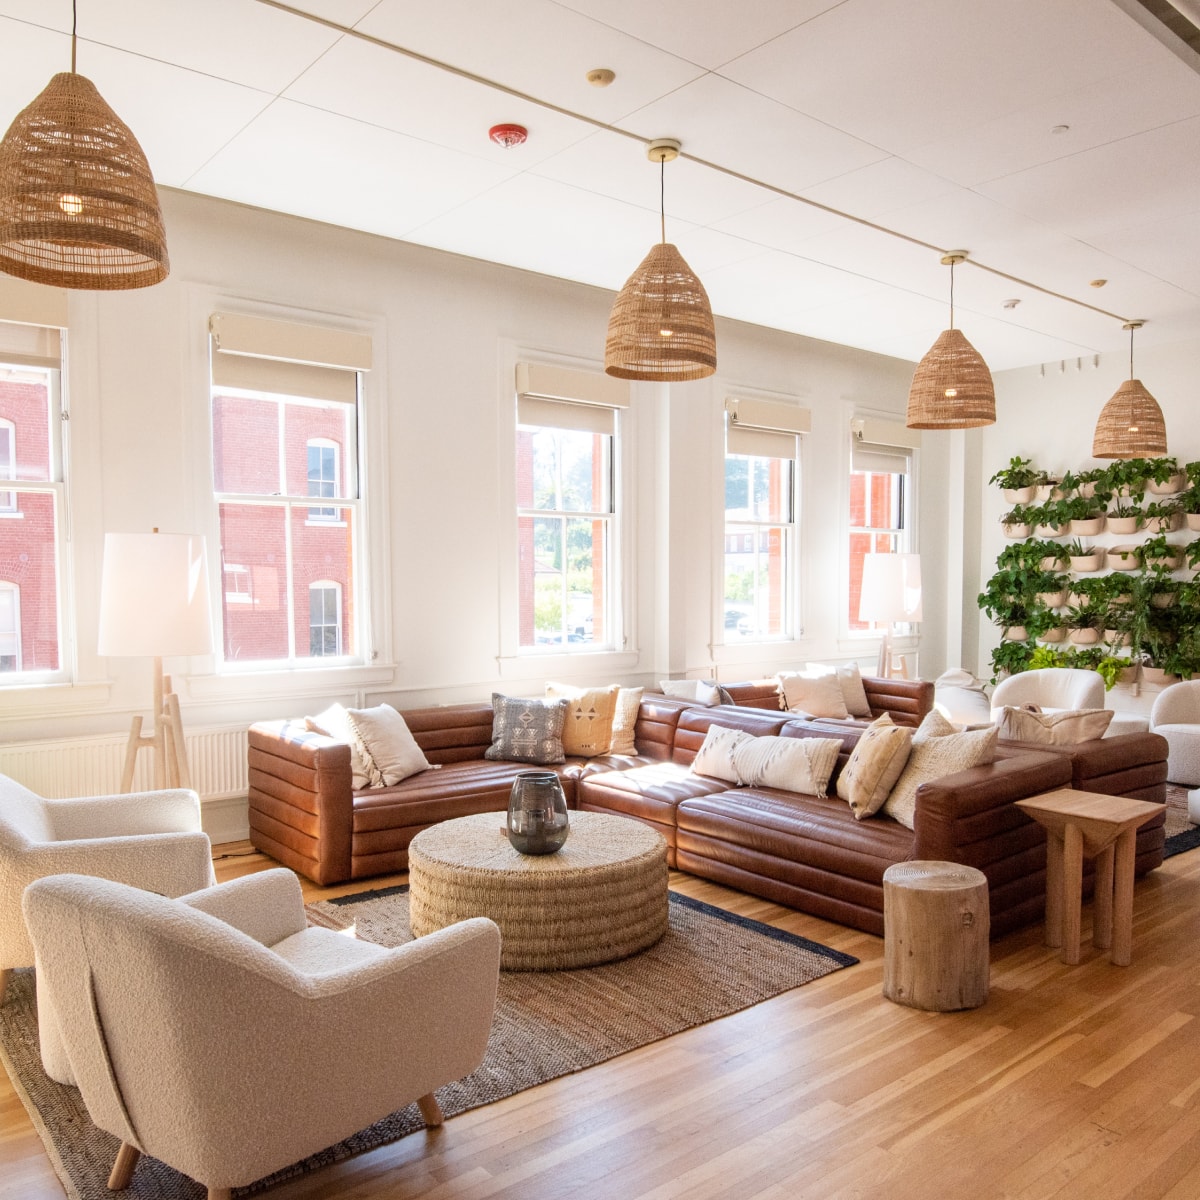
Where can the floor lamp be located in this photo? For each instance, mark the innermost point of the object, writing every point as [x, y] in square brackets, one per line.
[154, 604]
[891, 592]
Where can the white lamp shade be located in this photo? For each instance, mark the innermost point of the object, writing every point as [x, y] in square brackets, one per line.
[154, 596]
[891, 588]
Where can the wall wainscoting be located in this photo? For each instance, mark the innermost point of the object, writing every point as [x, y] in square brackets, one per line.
[91, 766]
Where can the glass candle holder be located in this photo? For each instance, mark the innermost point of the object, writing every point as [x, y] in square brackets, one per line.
[537, 813]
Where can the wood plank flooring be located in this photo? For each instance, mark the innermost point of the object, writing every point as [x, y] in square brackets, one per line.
[1071, 1082]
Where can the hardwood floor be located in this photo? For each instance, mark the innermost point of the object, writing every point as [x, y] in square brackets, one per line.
[1070, 1082]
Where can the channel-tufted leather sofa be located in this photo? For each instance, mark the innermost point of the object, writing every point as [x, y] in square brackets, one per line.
[803, 851]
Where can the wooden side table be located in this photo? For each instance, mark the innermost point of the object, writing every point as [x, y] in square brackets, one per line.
[1092, 825]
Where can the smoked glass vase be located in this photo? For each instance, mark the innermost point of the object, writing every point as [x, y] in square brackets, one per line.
[537, 813]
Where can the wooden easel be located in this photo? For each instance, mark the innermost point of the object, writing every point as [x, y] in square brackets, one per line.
[170, 752]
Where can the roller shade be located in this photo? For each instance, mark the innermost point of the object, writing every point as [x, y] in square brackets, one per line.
[30, 345]
[883, 447]
[585, 418]
[278, 356]
[546, 382]
[764, 428]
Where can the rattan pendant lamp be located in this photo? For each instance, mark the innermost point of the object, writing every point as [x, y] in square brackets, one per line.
[952, 386]
[1131, 424]
[78, 205]
[661, 325]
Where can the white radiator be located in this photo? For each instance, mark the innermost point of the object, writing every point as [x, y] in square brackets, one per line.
[92, 766]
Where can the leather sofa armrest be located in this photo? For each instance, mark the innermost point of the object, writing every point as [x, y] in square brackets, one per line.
[301, 799]
[906, 700]
[969, 817]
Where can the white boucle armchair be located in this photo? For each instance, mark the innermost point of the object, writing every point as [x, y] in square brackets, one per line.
[222, 1036]
[149, 840]
[1176, 716]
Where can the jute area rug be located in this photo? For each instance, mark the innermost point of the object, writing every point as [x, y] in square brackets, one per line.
[709, 964]
[1181, 833]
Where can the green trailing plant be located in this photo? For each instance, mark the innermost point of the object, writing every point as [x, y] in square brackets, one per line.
[1045, 657]
[1011, 658]
[1125, 508]
[1029, 554]
[1189, 501]
[1020, 473]
[1127, 473]
[1077, 549]
[1092, 658]
[1158, 547]
[1076, 483]
[1021, 514]
[1160, 470]
[1163, 508]
[1083, 616]
[1080, 508]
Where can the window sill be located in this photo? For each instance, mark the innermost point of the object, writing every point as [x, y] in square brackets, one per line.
[52, 699]
[284, 684]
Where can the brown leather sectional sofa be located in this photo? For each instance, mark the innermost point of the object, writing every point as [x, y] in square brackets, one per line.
[803, 851]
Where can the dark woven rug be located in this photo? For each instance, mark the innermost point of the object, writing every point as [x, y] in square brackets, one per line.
[709, 964]
[1182, 835]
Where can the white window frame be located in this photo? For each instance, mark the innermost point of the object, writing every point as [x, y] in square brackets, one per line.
[326, 585]
[7, 587]
[880, 438]
[325, 515]
[8, 467]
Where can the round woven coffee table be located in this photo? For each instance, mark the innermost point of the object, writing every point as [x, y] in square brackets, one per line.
[601, 897]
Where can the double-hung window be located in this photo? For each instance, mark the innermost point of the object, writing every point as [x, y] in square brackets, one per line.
[762, 488]
[568, 426]
[881, 490]
[32, 503]
[286, 426]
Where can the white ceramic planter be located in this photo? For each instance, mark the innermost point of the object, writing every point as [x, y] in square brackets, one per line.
[1055, 634]
[1114, 637]
[1085, 637]
[1025, 495]
[1123, 524]
[1172, 562]
[1122, 558]
[1088, 562]
[1163, 599]
[1017, 530]
[1088, 490]
[1088, 527]
[1175, 484]
[1053, 599]
[1015, 633]
[1158, 677]
[1050, 563]
[1163, 524]
[1193, 521]
[1051, 531]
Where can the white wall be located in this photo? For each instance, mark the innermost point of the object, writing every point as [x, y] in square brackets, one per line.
[439, 422]
[1050, 415]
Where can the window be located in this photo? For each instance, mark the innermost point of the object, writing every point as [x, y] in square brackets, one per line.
[880, 504]
[284, 431]
[32, 504]
[323, 461]
[8, 463]
[762, 449]
[10, 627]
[324, 618]
[566, 509]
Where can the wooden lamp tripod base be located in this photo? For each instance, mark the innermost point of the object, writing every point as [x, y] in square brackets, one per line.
[166, 741]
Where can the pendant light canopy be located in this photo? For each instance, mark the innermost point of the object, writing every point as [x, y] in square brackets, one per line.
[661, 325]
[952, 386]
[1131, 424]
[78, 205]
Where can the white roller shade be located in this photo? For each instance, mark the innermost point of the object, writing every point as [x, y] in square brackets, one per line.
[586, 418]
[30, 345]
[764, 428]
[576, 387]
[278, 356]
[884, 447]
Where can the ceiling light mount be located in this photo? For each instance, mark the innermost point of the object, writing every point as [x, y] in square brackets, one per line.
[601, 77]
[953, 257]
[663, 150]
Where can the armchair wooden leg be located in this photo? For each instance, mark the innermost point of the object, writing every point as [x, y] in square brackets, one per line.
[122, 1171]
[430, 1110]
[5, 976]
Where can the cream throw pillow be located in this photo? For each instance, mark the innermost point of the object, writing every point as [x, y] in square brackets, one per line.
[1064, 728]
[335, 722]
[876, 762]
[715, 756]
[933, 757]
[588, 727]
[850, 680]
[816, 695]
[389, 742]
[699, 690]
[629, 705]
[793, 764]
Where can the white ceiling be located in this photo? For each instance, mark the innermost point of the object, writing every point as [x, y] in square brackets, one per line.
[933, 118]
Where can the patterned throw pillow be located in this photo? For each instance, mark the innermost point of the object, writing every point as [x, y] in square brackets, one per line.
[587, 729]
[629, 705]
[793, 764]
[527, 731]
[933, 758]
[389, 742]
[813, 694]
[876, 762]
[335, 722]
[1064, 728]
[715, 756]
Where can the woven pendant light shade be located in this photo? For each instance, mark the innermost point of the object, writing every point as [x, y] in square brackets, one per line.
[661, 326]
[1131, 425]
[78, 206]
[952, 387]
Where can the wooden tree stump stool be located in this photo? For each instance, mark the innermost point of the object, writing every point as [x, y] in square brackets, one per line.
[935, 930]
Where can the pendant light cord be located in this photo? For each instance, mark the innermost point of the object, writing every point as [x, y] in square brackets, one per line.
[952, 295]
[74, 24]
[662, 198]
[1131, 352]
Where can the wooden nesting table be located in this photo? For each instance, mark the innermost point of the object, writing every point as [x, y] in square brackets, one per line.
[601, 897]
[1093, 825]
